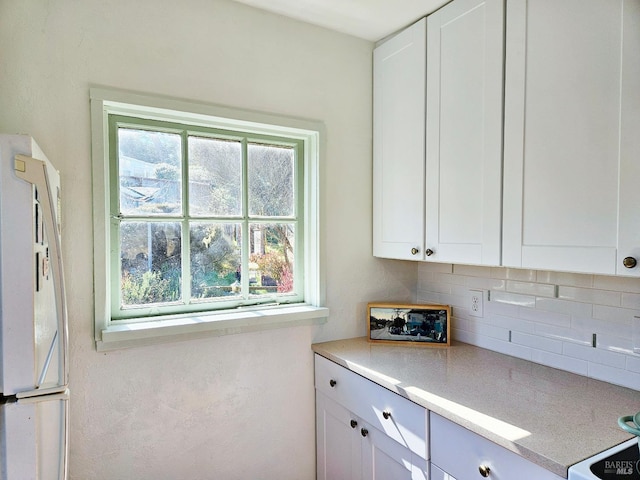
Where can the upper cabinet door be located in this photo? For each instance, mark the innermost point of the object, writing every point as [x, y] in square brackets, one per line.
[572, 123]
[465, 53]
[399, 70]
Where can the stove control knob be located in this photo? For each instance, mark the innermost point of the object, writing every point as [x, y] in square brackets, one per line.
[484, 470]
[629, 262]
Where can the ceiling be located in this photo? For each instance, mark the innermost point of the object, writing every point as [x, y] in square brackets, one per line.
[367, 19]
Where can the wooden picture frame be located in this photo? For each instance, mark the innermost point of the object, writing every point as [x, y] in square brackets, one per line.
[409, 324]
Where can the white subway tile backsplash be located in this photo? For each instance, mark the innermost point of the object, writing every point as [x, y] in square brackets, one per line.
[594, 325]
[619, 284]
[564, 306]
[438, 287]
[424, 279]
[511, 323]
[513, 274]
[631, 300]
[590, 295]
[485, 283]
[618, 376]
[569, 279]
[513, 299]
[615, 342]
[495, 308]
[530, 288]
[487, 330]
[562, 362]
[494, 344]
[537, 342]
[563, 333]
[472, 270]
[596, 355]
[425, 296]
[621, 316]
[453, 300]
[546, 317]
[633, 363]
[436, 267]
[460, 290]
[448, 278]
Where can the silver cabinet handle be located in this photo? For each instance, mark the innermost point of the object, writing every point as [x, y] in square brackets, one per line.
[414, 251]
[629, 262]
[429, 252]
[484, 470]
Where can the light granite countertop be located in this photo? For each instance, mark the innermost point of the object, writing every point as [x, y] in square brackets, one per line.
[548, 416]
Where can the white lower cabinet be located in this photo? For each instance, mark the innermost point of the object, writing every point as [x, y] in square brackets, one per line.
[350, 448]
[459, 454]
[438, 474]
[365, 431]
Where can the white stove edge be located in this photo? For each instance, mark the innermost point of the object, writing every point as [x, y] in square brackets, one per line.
[582, 471]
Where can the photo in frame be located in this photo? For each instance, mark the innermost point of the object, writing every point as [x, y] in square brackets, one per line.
[410, 324]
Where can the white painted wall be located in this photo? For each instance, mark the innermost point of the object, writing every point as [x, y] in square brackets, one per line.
[230, 407]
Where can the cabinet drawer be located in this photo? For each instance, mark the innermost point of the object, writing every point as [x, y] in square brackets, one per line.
[461, 453]
[437, 474]
[402, 420]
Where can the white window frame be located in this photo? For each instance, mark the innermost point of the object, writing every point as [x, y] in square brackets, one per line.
[110, 334]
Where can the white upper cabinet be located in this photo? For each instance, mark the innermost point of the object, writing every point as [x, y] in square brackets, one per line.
[547, 179]
[572, 136]
[398, 144]
[465, 57]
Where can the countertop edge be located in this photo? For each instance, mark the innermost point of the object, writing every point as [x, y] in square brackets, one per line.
[438, 405]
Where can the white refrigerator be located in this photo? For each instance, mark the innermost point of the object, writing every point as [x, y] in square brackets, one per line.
[34, 398]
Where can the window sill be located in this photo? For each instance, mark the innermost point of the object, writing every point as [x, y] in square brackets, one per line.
[197, 326]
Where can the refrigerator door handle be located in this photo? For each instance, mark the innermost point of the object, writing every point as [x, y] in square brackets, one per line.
[34, 171]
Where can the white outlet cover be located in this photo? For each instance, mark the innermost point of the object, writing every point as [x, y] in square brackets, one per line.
[476, 303]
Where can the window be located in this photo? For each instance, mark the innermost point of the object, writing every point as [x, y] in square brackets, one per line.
[198, 214]
[202, 219]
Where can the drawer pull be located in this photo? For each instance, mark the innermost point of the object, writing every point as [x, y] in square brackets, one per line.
[364, 432]
[332, 383]
[386, 415]
[484, 470]
[353, 424]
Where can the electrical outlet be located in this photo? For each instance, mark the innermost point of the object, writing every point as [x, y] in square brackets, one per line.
[476, 303]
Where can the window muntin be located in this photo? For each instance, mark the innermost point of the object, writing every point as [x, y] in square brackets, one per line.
[194, 209]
